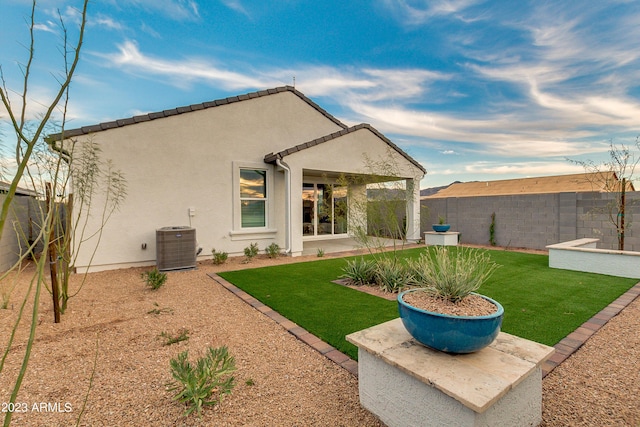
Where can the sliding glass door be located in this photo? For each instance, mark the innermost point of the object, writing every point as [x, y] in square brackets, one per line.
[324, 209]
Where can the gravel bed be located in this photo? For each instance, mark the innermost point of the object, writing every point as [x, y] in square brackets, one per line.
[110, 333]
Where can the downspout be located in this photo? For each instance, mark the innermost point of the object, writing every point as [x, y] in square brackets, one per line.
[287, 202]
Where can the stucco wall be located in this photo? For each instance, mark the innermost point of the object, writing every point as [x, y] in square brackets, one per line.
[187, 161]
[534, 221]
[191, 161]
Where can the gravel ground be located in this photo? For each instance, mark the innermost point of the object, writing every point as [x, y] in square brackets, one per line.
[109, 332]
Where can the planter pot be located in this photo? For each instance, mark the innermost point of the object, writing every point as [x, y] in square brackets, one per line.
[448, 333]
[441, 228]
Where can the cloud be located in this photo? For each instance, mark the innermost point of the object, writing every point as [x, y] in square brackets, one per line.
[546, 123]
[106, 22]
[367, 85]
[181, 72]
[236, 5]
[501, 170]
[179, 10]
[419, 12]
[48, 27]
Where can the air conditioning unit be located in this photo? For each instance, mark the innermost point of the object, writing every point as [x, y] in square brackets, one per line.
[175, 248]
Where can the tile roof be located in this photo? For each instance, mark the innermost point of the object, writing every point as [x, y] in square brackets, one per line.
[582, 182]
[272, 157]
[4, 188]
[69, 133]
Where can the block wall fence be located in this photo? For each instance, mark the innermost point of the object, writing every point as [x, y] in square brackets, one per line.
[534, 221]
[19, 226]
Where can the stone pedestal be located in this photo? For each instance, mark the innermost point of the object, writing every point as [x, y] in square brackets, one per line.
[407, 384]
[448, 238]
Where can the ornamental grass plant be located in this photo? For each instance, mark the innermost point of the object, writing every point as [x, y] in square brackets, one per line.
[452, 275]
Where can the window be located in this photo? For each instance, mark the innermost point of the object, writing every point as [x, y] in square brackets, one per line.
[253, 198]
[324, 209]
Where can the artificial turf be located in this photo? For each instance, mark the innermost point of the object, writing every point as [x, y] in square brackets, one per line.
[540, 303]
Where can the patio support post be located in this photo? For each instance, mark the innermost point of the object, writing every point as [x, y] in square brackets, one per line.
[413, 209]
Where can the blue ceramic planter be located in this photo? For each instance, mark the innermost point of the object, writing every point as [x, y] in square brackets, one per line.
[451, 334]
[441, 228]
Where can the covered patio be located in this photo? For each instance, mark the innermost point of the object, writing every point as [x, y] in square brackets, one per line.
[347, 244]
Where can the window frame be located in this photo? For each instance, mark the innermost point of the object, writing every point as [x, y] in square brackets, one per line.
[238, 232]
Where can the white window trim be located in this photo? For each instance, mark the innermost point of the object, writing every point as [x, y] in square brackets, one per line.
[268, 231]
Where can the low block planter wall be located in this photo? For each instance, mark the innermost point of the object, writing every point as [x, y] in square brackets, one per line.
[448, 238]
[407, 384]
[582, 255]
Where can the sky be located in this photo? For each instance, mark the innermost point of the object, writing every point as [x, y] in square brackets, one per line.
[473, 90]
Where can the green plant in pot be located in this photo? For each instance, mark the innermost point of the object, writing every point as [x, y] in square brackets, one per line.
[442, 225]
[444, 312]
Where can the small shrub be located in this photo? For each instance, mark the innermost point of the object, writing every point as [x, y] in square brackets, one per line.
[249, 382]
[492, 230]
[154, 278]
[452, 275]
[183, 335]
[273, 250]
[392, 275]
[319, 252]
[219, 257]
[204, 383]
[159, 310]
[251, 252]
[360, 271]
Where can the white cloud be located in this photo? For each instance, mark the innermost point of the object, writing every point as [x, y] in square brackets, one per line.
[179, 10]
[421, 11]
[236, 5]
[370, 95]
[180, 72]
[106, 22]
[48, 27]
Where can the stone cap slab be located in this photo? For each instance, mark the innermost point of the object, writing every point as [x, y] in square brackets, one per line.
[476, 380]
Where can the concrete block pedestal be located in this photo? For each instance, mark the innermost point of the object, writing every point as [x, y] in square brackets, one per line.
[448, 238]
[407, 384]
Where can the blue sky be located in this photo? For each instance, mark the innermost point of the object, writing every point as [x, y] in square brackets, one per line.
[474, 90]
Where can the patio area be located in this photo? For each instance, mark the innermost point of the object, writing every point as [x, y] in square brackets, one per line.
[346, 244]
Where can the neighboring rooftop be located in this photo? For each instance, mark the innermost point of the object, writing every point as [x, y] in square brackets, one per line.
[582, 182]
[4, 189]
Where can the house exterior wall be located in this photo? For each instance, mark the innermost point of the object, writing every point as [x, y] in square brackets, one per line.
[534, 221]
[191, 161]
[348, 154]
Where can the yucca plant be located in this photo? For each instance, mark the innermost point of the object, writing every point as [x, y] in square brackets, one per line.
[392, 275]
[360, 271]
[452, 275]
[204, 383]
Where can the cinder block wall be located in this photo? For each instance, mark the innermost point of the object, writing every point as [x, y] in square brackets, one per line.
[10, 243]
[535, 220]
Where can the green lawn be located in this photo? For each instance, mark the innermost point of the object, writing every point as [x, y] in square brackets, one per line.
[541, 304]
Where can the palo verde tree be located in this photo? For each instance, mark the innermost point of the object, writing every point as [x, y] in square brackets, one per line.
[376, 203]
[29, 128]
[77, 178]
[616, 177]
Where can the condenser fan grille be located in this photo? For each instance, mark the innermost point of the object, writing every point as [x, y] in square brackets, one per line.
[175, 248]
